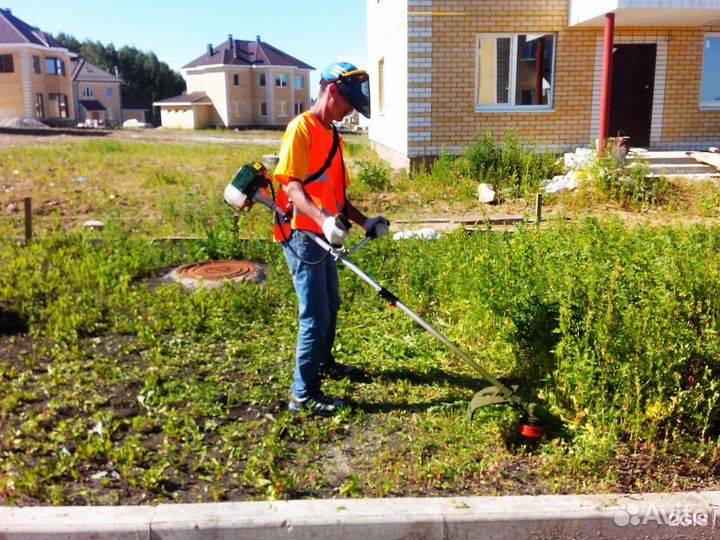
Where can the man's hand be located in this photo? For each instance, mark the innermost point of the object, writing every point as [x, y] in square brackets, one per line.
[376, 227]
[336, 230]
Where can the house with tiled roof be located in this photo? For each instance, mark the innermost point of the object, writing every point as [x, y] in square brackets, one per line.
[35, 77]
[562, 73]
[240, 84]
[97, 95]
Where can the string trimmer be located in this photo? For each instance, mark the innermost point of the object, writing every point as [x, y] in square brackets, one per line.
[250, 185]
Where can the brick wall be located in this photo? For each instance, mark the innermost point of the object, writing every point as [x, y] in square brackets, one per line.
[442, 40]
[12, 102]
[684, 121]
[455, 26]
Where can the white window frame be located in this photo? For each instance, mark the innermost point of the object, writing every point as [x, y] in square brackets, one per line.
[282, 109]
[281, 80]
[88, 92]
[707, 105]
[512, 79]
[301, 80]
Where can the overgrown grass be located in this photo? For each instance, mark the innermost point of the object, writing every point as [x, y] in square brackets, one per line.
[128, 390]
[629, 186]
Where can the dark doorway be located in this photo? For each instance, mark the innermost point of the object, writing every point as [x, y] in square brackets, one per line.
[631, 97]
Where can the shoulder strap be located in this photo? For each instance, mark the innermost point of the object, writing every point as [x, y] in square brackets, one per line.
[328, 161]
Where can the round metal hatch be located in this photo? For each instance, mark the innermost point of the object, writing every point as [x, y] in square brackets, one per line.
[212, 274]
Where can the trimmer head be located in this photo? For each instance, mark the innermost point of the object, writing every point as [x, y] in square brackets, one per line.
[531, 431]
[493, 395]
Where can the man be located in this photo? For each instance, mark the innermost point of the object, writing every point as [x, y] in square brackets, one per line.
[313, 177]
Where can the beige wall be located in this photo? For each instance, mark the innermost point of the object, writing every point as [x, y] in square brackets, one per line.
[19, 88]
[241, 105]
[239, 98]
[51, 84]
[12, 101]
[186, 117]
[99, 90]
[213, 82]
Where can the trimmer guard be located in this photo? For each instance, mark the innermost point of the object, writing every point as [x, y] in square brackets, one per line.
[490, 395]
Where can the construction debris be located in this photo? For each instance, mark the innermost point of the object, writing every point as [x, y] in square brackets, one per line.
[423, 234]
[486, 194]
[708, 158]
[93, 225]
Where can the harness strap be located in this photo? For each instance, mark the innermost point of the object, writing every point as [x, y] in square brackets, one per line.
[328, 161]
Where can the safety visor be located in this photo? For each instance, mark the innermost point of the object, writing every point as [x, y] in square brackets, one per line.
[355, 86]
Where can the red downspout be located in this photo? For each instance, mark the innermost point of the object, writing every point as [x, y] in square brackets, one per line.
[606, 81]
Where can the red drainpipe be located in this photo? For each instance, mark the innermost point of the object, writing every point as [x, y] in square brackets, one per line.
[606, 81]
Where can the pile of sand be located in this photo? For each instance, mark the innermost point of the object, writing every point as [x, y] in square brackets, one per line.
[17, 122]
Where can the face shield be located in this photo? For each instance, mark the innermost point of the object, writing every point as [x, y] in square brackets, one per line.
[355, 86]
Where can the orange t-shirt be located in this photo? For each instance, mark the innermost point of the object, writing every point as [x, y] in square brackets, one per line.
[306, 146]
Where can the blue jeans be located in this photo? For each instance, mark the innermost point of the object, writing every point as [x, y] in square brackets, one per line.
[318, 292]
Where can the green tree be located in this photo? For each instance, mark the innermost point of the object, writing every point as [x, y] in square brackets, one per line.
[146, 79]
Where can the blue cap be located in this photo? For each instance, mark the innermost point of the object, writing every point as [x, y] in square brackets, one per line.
[353, 83]
[334, 70]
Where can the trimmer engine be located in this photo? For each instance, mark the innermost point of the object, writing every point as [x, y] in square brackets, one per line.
[242, 191]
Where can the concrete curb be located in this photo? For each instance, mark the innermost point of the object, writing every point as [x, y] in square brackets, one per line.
[659, 516]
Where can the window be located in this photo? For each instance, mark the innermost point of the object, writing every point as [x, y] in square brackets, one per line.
[299, 82]
[299, 108]
[262, 79]
[36, 64]
[381, 85]
[236, 79]
[515, 71]
[263, 109]
[281, 79]
[710, 86]
[88, 92]
[108, 93]
[6, 63]
[58, 105]
[54, 66]
[283, 108]
[39, 106]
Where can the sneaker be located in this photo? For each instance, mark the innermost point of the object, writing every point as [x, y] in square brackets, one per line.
[318, 403]
[336, 370]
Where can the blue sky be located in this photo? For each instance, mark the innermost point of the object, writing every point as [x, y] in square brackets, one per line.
[177, 31]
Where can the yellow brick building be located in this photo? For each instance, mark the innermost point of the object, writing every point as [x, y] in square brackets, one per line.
[35, 77]
[240, 84]
[446, 71]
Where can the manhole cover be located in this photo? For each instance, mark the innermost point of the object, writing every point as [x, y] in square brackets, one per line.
[213, 273]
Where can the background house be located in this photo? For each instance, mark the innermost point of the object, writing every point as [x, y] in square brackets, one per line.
[97, 95]
[444, 71]
[240, 84]
[35, 79]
